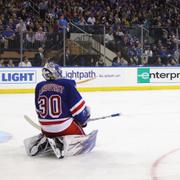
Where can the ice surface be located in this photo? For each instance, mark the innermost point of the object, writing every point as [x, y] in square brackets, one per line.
[142, 144]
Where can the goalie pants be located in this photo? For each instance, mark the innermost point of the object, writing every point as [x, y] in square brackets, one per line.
[73, 129]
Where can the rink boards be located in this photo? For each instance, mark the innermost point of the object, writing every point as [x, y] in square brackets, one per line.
[24, 80]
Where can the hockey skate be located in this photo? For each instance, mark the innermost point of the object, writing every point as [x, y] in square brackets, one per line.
[40, 146]
[57, 146]
[37, 145]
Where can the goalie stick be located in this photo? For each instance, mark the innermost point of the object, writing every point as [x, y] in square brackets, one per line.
[104, 117]
[30, 121]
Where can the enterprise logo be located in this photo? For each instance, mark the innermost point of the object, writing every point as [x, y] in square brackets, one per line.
[17, 76]
[144, 75]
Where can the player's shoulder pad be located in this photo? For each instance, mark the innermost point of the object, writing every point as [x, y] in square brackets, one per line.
[68, 82]
[41, 83]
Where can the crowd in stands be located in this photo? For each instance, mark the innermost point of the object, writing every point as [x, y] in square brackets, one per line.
[43, 21]
[9, 63]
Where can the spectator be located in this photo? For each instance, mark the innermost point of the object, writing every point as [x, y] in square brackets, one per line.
[23, 14]
[45, 27]
[119, 35]
[176, 55]
[109, 38]
[139, 52]
[163, 54]
[100, 63]
[148, 54]
[82, 21]
[20, 29]
[63, 24]
[30, 39]
[47, 60]
[1, 63]
[172, 61]
[40, 37]
[175, 40]
[119, 60]
[75, 19]
[39, 58]
[133, 56]
[43, 7]
[12, 24]
[5, 63]
[21, 26]
[25, 63]
[2, 41]
[91, 20]
[8, 36]
[157, 61]
[1, 25]
[10, 63]
[67, 57]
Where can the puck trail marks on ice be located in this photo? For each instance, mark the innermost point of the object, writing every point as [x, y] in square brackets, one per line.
[4, 136]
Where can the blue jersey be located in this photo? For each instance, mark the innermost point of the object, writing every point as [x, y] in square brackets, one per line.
[58, 103]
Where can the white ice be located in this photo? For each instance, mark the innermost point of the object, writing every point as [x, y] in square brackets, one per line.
[142, 144]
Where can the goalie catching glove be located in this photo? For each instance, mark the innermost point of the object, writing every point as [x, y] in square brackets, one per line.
[86, 113]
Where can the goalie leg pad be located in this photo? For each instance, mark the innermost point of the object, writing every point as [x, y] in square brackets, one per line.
[37, 145]
[69, 145]
[79, 144]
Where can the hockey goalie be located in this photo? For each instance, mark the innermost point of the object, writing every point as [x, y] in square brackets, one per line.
[62, 114]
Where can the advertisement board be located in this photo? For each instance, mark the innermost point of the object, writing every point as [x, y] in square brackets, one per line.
[158, 75]
[18, 76]
[24, 80]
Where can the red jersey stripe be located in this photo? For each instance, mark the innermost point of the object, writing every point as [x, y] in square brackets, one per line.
[78, 107]
[52, 122]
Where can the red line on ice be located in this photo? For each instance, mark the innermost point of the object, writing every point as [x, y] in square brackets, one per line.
[155, 165]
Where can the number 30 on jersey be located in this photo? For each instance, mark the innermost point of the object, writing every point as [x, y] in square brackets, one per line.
[50, 106]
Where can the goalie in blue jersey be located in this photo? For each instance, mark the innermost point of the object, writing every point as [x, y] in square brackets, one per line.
[62, 114]
[61, 109]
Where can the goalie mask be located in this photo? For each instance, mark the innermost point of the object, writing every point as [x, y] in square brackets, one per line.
[51, 71]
